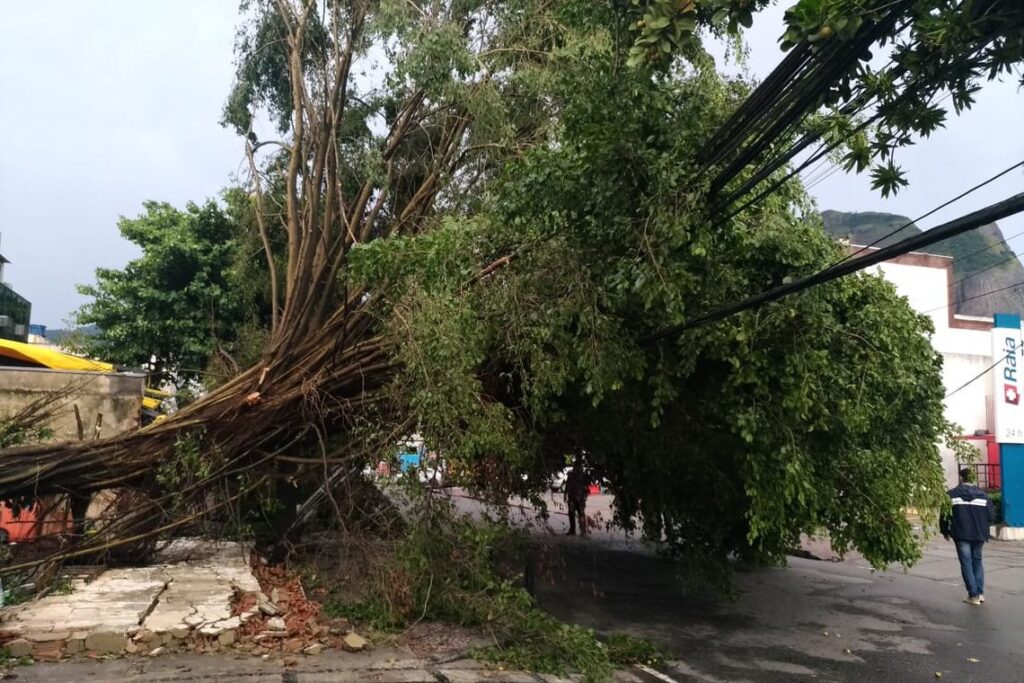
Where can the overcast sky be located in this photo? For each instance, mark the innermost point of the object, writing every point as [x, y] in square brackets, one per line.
[108, 103]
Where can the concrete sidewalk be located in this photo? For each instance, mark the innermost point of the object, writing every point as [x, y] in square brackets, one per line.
[1003, 560]
[384, 665]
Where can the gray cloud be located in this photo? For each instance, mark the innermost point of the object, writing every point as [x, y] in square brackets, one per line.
[106, 104]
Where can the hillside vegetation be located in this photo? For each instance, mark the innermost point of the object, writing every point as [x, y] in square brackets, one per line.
[982, 263]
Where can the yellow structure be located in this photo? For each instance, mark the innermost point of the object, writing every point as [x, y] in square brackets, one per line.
[41, 356]
[45, 357]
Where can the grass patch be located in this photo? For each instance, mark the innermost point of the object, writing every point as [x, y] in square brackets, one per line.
[6, 660]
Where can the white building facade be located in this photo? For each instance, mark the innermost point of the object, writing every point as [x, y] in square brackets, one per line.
[965, 342]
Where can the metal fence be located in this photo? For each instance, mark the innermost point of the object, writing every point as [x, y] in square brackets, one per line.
[986, 475]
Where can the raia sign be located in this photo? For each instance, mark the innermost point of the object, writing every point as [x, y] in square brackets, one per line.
[1007, 374]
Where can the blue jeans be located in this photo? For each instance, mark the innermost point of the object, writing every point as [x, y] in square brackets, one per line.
[969, 554]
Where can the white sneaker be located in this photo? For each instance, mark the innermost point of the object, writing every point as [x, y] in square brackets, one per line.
[973, 601]
[982, 597]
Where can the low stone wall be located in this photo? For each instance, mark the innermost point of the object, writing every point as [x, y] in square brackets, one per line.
[117, 397]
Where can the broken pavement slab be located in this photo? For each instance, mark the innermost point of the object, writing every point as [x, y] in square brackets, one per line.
[191, 586]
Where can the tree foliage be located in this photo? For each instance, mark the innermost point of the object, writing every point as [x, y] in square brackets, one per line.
[478, 234]
[819, 412]
[184, 300]
[937, 51]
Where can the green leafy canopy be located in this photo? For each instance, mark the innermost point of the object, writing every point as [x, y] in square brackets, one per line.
[172, 309]
[818, 413]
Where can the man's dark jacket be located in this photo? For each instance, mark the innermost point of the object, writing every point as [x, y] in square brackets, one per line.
[971, 514]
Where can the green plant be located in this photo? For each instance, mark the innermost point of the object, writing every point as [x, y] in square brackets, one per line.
[625, 650]
[7, 660]
[445, 569]
[193, 462]
[997, 501]
[63, 586]
[30, 424]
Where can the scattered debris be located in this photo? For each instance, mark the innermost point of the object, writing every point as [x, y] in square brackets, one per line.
[353, 642]
[267, 607]
[207, 598]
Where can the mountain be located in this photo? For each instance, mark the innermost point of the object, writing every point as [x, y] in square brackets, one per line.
[59, 336]
[982, 262]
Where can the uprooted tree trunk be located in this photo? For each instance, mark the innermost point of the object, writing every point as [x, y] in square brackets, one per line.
[327, 362]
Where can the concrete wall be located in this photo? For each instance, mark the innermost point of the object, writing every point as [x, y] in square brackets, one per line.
[118, 397]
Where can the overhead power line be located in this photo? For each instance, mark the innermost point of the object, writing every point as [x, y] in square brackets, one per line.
[979, 375]
[1011, 257]
[775, 109]
[982, 294]
[971, 221]
[1020, 345]
[974, 296]
[938, 208]
[1004, 242]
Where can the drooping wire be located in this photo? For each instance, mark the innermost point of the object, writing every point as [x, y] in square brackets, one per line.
[982, 295]
[972, 221]
[1020, 345]
[938, 208]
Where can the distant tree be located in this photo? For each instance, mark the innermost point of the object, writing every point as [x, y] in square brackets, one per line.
[180, 303]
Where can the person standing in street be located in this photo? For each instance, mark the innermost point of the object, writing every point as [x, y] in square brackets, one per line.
[577, 488]
[967, 523]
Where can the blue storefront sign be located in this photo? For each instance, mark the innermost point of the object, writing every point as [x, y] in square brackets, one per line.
[1008, 408]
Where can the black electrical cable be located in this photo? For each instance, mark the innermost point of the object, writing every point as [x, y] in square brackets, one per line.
[938, 208]
[1003, 242]
[971, 221]
[977, 377]
[975, 296]
[976, 273]
[786, 96]
[1020, 345]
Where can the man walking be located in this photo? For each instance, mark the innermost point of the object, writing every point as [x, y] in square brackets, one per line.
[968, 524]
[577, 488]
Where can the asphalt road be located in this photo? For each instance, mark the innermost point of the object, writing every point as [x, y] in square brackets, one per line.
[812, 620]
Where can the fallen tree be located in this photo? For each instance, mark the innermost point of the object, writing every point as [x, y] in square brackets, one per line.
[476, 215]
